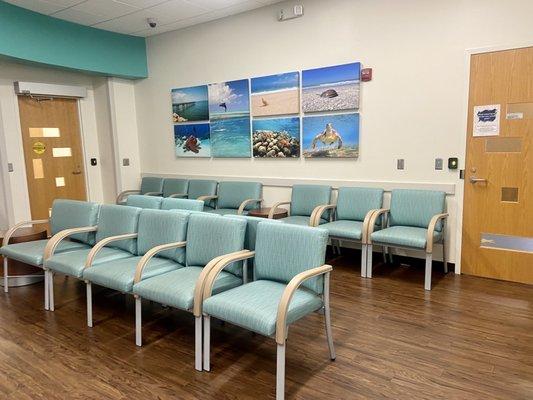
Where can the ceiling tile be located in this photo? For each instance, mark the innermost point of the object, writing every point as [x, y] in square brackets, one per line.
[65, 3]
[217, 4]
[175, 10]
[40, 6]
[142, 3]
[106, 8]
[79, 17]
[133, 22]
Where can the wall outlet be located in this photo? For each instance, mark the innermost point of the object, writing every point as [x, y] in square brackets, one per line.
[10, 167]
[400, 163]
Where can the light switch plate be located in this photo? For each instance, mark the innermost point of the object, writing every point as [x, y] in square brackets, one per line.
[10, 167]
[438, 164]
[125, 162]
[400, 163]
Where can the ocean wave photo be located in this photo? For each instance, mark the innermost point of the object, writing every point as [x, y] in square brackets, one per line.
[230, 136]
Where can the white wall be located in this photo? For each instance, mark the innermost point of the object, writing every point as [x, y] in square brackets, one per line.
[414, 108]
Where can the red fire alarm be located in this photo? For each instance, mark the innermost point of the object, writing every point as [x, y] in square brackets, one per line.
[366, 74]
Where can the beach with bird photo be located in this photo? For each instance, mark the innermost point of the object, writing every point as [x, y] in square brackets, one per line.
[331, 88]
[276, 94]
[331, 136]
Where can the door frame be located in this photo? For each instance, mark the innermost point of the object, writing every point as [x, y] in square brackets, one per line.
[464, 136]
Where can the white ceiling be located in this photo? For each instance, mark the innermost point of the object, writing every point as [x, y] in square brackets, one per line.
[129, 16]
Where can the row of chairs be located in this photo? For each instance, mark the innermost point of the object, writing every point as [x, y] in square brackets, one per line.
[258, 274]
[415, 220]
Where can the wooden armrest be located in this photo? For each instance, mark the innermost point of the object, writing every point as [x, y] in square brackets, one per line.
[98, 246]
[245, 203]
[316, 215]
[206, 280]
[366, 224]
[125, 193]
[276, 205]
[15, 227]
[174, 195]
[372, 221]
[153, 194]
[205, 198]
[431, 230]
[286, 297]
[150, 254]
[54, 241]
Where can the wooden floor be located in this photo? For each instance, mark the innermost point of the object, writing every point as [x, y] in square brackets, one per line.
[470, 338]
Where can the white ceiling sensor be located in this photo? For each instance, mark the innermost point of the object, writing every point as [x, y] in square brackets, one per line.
[297, 12]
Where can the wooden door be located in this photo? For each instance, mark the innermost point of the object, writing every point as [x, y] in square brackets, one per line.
[52, 150]
[498, 201]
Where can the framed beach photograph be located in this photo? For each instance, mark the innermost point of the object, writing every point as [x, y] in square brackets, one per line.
[229, 111]
[276, 137]
[276, 94]
[331, 88]
[190, 104]
[331, 136]
[192, 140]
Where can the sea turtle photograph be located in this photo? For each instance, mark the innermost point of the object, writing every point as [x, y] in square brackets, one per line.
[331, 136]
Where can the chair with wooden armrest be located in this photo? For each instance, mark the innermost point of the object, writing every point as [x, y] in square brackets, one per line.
[173, 187]
[352, 214]
[305, 200]
[66, 215]
[144, 201]
[238, 197]
[113, 221]
[415, 221]
[291, 282]
[160, 240]
[150, 186]
[198, 188]
[208, 238]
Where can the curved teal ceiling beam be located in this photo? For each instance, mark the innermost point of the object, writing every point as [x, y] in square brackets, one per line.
[32, 37]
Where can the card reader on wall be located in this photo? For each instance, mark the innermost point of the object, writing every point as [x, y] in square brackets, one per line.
[453, 163]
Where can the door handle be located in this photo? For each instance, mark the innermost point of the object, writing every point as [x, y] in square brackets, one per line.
[475, 180]
[76, 172]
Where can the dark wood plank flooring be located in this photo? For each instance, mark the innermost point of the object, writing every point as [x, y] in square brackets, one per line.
[469, 338]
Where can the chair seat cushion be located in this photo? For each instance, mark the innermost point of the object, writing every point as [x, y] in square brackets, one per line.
[119, 274]
[73, 262]
[344, 229]
[255, 305]
[296, 220]
[176, 288]
[32, 252]
[407, 236]
[225, 211]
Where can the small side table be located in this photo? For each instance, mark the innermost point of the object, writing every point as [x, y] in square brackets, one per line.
[21, 274]
[263, 213]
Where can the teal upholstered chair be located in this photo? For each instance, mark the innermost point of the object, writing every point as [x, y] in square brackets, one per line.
[415, 220]
[144, 201]
[115, 238]
[351, 215]
[305, 200]
[175, 187]
[238, 197]
[66, 215]
[209, 237]
[291, 282]
[160, 248]
[203, 189]
[182, 204]
[150, 186]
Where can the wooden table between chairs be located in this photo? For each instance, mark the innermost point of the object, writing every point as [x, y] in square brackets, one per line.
[263, 213]
[21, 274]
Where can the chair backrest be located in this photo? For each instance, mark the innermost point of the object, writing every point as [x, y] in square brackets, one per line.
[201, 187]
[143, 201]
[305, 198]
[151, 184]
[354, 203]
[174, 186]
[68, 214]
[251, 228]
[157, 227]
[232, 194]
[210, 236]
[416, 207]
[182, 204]
[282, 251]
[116, 220]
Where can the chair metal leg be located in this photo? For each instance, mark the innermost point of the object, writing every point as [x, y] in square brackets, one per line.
[138, 321]
[384, 254]
[207, 343]
[391, 260]
[327, 318]
[51, 299]
[338, 247]
[427, 281]
[46, 298]
[364, 254]
[245, 271]
[198, 343]
[89, 304]
[444, 260]
[369, 261]
[280, 372]
[6, 279]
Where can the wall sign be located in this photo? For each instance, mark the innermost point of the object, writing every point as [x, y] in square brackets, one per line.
[487, 120]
